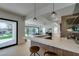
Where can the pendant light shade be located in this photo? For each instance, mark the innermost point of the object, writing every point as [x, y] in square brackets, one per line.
[53, 14]
[35, 19]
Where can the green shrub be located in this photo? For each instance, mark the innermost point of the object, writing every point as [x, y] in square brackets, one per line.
[6, 36]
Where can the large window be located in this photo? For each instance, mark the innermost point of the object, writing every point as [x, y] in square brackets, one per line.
[8, 32]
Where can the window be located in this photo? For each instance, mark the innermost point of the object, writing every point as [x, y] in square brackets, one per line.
[8, 32]
[31, 30]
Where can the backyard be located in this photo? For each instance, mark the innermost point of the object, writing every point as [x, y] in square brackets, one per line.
[7, 33]
[5, 36]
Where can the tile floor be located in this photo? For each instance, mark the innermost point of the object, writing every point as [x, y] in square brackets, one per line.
[19, 50]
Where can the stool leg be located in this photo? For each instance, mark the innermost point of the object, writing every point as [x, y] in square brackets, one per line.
[31, 54]
[44, 54]
[38, 54]
[34, 54]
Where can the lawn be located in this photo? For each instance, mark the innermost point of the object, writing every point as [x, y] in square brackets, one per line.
[5, 36]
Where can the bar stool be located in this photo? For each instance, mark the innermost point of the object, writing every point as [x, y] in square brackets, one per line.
[34, 50]
[49, 53]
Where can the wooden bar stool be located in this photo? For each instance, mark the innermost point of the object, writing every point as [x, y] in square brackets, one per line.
[34, 50]
[49, 53]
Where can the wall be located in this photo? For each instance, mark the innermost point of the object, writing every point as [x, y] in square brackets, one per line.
[21, 23]
[45, 23]
[38, 23]
[55, 25]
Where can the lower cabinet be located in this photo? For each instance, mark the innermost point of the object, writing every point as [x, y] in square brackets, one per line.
[60, 52]
[66, 53]
[69, 53]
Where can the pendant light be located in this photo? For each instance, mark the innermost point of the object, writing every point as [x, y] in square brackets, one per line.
[53, 14]
[35, 19]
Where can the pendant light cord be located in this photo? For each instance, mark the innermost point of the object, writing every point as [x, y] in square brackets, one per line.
[34, 9]
[53, 7]
[53, 14]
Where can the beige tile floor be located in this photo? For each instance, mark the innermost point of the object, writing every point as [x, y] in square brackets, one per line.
[18, 50]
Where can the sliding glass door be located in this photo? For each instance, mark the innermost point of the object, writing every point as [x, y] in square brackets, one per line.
[8, 32]
[31, 30]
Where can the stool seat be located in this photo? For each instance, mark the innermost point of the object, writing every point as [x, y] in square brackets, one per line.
[34, 49]
[49, 53]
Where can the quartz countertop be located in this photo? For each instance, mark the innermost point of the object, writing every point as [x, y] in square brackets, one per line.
[62, 43]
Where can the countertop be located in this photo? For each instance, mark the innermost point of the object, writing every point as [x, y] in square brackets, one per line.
[62, 43]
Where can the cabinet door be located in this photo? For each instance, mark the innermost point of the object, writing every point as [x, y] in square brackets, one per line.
[67, 53]
[60, 52]
[75, 54]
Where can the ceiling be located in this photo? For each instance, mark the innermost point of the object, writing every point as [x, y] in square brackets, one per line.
[43, 10]
[21, 8]
[27, 9]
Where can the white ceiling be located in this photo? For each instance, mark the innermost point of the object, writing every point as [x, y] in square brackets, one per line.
[61, 12]
[21, 8]
[27, 9]
[43, 10]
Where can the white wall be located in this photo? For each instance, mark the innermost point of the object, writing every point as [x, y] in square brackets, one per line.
[45, 23]
[39, 22]
[21, 24]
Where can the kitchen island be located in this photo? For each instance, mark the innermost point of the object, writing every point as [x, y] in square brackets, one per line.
[63, 45]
